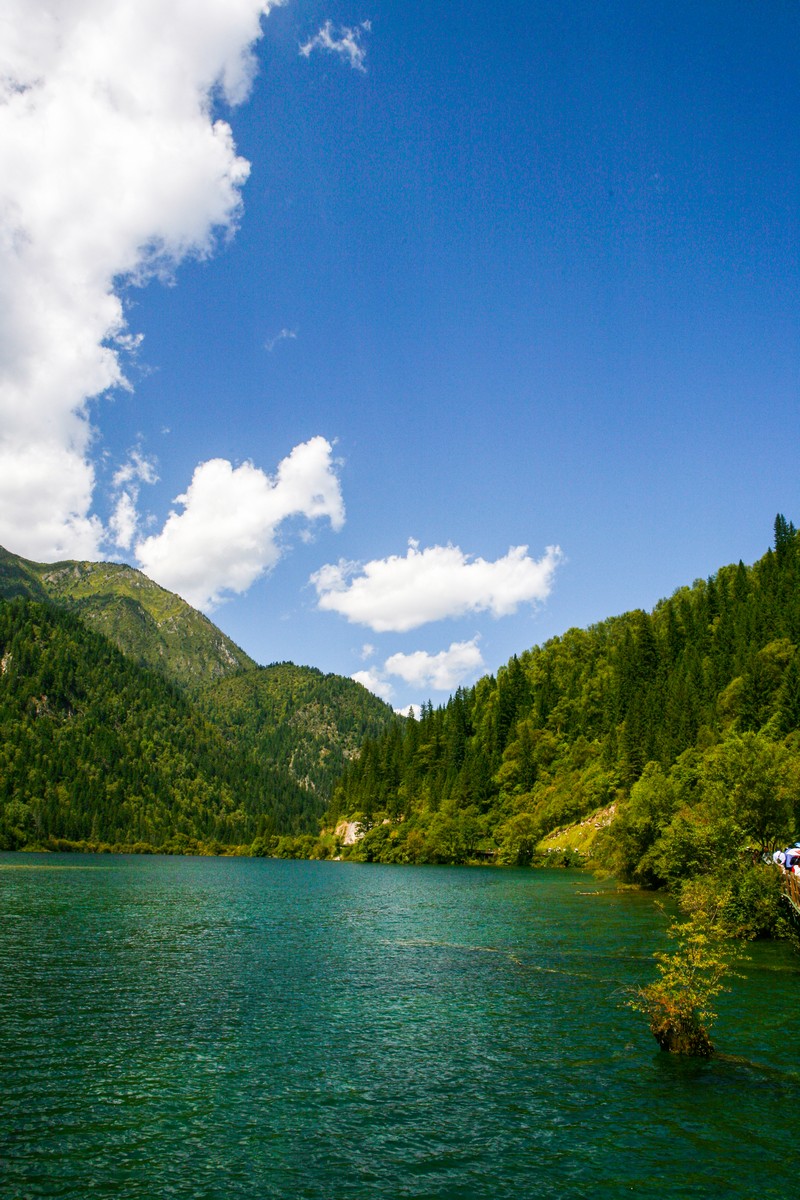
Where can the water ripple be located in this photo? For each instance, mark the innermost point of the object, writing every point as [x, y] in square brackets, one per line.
[249, 1029]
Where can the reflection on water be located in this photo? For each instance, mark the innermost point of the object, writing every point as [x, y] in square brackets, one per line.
[249, 1028]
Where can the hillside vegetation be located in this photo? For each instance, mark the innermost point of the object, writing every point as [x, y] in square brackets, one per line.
[679, 726]
[94, 748]
[127, 719]
[298, 718]
[661, 746]
[153, 627]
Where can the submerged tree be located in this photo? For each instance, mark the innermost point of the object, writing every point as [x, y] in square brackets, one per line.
[678, 1005]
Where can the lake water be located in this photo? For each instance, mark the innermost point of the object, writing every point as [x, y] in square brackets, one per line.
[246, 1028]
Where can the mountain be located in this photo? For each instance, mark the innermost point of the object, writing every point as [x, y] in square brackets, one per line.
[660, 742]
[153, 627]
[308, 723]
[93, 747]
[666, 744]
[128, 717]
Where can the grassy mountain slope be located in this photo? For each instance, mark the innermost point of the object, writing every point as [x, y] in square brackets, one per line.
[152, 626]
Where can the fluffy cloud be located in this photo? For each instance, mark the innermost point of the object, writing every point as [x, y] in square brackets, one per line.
[226, 535]
[45, 495]
[398, 594]
[124, 523]
[374, 681]
[440, 672]
[112, 170]
[348, 43]
[443, 671]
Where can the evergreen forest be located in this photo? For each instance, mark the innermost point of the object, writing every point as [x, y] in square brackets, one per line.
[167, 737]
[659, 746]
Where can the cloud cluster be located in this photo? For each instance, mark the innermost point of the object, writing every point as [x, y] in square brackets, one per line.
[397, 594]
[124, 523]
[348, 42]
[226, 535]
[375, 682]
[112, 169]
[440, 672]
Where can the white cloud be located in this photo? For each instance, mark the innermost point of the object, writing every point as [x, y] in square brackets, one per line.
[284, 335]
[375, 682]
[398, 594]
[348, 43]
[112, 170]
[137, 469]
[124, 523]
[443, 671]
[440, 672]
[416, 709]
[226, 535]
[45, 495]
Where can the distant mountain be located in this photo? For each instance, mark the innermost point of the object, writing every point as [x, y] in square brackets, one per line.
[150, 625]
[297, 718]
[126, 716]
[93, 747]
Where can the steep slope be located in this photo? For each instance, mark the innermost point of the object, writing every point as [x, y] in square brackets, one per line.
[152, 626]
[308, 723]
[94, 747]
[281, 734]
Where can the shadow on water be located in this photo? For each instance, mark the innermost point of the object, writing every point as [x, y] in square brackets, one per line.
[730, 1070]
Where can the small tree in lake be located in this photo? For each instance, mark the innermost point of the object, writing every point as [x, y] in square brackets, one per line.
[678, 1005]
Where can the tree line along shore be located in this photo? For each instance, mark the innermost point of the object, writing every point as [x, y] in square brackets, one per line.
[661, 747]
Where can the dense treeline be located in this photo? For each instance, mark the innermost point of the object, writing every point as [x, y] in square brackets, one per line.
[95, 749]
[669, 740]
[679, 727]
[183, 744]
[298, 720]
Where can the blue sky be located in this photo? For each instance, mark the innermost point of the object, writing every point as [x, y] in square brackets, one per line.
[524, 276]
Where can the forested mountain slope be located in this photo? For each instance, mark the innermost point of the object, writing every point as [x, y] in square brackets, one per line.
[171, 732]
[309, 723]
[152, 626]
[94, 748]
[679, 727]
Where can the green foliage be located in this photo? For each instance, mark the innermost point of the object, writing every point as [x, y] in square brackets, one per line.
[745, 893]
[684, 720]
[301, 723]
[517, 840]
[749, 780]
[153, 627]
[641, 822]
[98, 752]
[679, 1004]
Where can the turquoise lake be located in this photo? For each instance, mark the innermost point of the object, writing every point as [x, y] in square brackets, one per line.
[249, 1028]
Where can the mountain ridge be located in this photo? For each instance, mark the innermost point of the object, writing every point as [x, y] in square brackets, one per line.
[153, 626]
[268, 741]
[661, 744]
